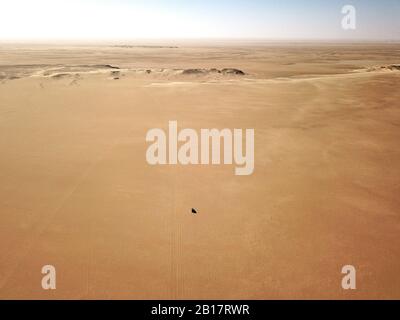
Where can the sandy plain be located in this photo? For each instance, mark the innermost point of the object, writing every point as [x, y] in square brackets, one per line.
[76, 191]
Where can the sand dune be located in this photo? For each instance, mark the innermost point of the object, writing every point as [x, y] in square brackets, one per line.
[19, 71]
[76, 190]
[392, 67]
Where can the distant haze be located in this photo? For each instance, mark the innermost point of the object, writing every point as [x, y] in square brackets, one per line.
[178, 19]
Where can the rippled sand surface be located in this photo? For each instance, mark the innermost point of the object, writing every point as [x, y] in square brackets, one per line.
[76, 191]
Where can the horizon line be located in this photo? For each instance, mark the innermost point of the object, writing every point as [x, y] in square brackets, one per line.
[196, 39]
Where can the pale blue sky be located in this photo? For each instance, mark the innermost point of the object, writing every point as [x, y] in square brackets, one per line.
[134, 19]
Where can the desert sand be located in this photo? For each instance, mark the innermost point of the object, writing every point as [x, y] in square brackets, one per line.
[76, 191]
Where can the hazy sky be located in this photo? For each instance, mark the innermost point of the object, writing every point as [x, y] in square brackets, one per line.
[130, 19]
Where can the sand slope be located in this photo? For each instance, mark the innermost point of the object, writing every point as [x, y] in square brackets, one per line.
[76, 191]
